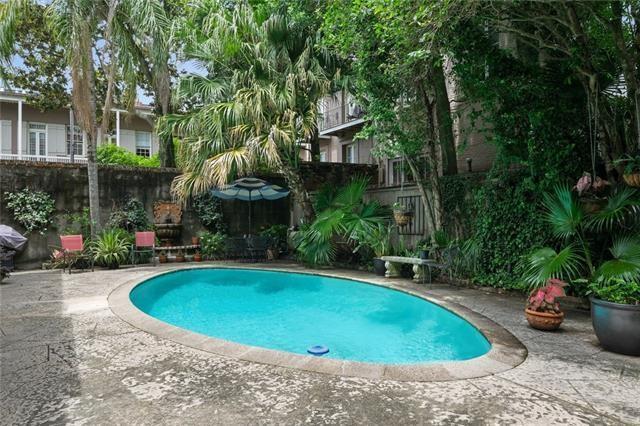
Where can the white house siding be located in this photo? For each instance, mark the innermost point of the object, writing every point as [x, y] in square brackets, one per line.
[5, 136]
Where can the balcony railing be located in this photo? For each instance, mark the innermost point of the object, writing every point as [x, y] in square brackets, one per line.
[339, 115]
[45, 158]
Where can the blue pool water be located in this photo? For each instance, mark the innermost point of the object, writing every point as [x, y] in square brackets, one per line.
[292, 312]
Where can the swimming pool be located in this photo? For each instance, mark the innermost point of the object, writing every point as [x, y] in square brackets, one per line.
[291, 312]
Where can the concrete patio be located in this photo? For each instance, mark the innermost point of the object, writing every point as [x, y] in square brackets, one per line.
[66, 358]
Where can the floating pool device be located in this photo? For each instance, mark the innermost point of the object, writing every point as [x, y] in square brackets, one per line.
[318, 350]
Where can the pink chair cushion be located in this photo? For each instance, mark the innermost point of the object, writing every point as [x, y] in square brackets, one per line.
[145, 239]
[71, 242]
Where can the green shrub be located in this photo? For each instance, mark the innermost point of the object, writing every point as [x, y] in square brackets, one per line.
[31, 209]
[78, 223]
[209, 211]
[111, 248]
[277, 235]
[131, 217]
[212, 244]
[113, 154]
[617, 290]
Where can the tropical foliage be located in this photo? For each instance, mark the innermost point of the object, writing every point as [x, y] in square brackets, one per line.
[212, 244]
[603, 245]
[343, 219]
[111, 248]
[256, 103]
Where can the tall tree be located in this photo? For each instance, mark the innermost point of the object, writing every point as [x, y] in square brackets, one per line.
[257, 104]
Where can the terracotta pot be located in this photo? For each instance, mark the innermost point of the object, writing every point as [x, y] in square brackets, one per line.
[197, 257]
[632, 179]
[593, 205]
[195, 241]
[180, 258]
[544, 320]
[162, 258]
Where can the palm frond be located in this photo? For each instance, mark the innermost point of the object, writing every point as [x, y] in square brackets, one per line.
[622, 207]
[546, 263]
[564, 214]
[626, 260]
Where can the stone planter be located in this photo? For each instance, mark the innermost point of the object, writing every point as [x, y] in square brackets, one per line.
[378, 267]
[617, 326]
[632, 179]
[544, 320]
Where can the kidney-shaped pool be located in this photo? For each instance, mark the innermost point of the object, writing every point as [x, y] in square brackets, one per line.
[292, 312]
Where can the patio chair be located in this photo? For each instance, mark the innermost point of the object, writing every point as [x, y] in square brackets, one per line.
[74, 252]
[145, 242]
[236, 248]
[257, 247]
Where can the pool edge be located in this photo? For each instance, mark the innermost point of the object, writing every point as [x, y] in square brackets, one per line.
[506, 350]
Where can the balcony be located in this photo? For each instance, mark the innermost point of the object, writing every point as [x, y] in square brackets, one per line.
[45, 158]
[339, 112]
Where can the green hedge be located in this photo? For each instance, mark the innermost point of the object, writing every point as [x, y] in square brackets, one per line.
[113, 154]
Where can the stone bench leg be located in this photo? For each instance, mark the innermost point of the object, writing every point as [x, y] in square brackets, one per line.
[391, 270]
[419, 274]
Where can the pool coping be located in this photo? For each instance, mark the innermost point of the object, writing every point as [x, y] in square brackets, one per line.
[506, 350]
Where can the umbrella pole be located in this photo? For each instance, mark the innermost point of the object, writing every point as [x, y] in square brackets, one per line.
[250, 212]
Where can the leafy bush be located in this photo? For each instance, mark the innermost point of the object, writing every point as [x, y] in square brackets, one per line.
[113, 154]
[111, 248]
[212, 244]
[209, 211]
[131, 217]
[277, 235]
[31, 209]
[616, 290]
[78, 223]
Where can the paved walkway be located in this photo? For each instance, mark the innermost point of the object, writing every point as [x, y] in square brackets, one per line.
[66, 358]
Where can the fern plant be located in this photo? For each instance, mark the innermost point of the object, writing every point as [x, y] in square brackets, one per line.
[599, 246]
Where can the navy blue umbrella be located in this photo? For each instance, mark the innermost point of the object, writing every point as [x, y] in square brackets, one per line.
[250, 189]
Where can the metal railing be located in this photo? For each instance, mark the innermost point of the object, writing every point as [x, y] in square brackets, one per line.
[45, 158]
[338, 115]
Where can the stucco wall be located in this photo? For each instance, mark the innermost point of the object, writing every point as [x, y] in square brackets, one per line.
[67, 183]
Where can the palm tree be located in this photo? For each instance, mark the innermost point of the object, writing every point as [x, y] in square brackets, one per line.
[257, 102]
[77, 25]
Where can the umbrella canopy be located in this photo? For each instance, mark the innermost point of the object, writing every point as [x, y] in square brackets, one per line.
[10, 238]
[250, 189]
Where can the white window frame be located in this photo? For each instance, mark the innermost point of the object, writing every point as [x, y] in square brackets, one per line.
[140, 148]
[350, 147]
[78, 134]
[392, 165]
[37, 131]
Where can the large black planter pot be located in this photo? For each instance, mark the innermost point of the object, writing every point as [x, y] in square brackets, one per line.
[378, 267]
[617, 326]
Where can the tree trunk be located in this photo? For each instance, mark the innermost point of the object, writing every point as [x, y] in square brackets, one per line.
[167, 153]
[299, 191]
[315, 146]
[94, 194]
[444, 121]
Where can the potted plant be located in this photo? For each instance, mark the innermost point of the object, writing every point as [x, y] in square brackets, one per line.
[195, 240]
[180, 256]
[424, 248]
[162, 257]
[542, 310]
[197, 257]
[402, 214]
[615, 314]
[631, 172]
[379, 240]
[591, 192]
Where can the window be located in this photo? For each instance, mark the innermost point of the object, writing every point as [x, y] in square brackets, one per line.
[323, 156]
[143, 144]
[78, 141]
[37, 143]
[349, 153]
[399, 172]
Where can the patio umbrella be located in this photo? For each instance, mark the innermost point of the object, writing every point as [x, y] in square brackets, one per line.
[250, 189]
[11, 239]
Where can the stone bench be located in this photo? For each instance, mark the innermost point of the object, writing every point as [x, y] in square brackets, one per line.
[419, 265]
